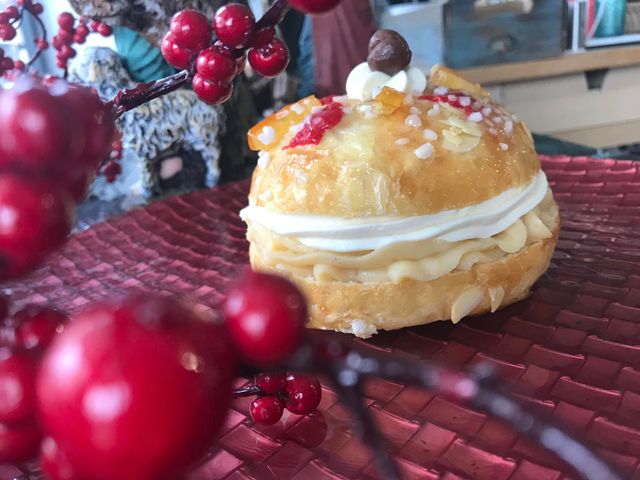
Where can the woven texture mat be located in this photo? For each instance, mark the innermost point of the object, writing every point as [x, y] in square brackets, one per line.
[572, 350]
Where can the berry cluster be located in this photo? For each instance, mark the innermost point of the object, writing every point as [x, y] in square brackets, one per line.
[71, 32]
[54, 137]
[190, 43]
[298, 393]
[136, 388]
[23, 339]
[10, 17]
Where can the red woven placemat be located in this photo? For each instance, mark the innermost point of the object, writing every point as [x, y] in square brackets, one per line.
[572, 349]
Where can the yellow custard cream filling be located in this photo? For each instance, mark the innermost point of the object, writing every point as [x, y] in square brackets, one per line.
[422, 260]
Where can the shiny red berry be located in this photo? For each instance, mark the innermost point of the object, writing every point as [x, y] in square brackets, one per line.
[4, 18]
[42, 44]
[95, 25]
[136, 389]
[36, 220]
[66, 21]
[17, 386]
[67, 52]
[12, 11]
[314, 6]
[216, 66]
[272, 383]
[39, 130]
[37, 8]
[211, 92]
[270, 60]
[262, 37]
[19, 65]
[99, 121]
[6, 64]
[19, 443]
[266, 410]
[65, 38]
[82, 30]
[111, 171]
[303, 393]
[36, 326]
[7, 32]
[54, 461]
[174, 55]
[233, 24]
[191, 30]
[266, 316]
[105, 30]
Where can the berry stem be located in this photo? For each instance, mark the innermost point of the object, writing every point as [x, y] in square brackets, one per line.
[246, 391]
[351, 395]
[478, 388]
[274, 15]
[43, 31]
[145, 92]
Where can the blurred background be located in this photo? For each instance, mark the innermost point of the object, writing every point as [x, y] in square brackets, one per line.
[569, 68]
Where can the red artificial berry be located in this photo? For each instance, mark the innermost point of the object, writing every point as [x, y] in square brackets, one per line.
[111, 171]
[266, 316]
[266, 410]
[136, 389]
[17, 386]
[19, 443]
[42, 44]
[37, 8]
[174, 55]
[65, 38]
[211, 92]
[314, 6]
[99, 121]
[19, 65]
[79, 39]
[233, 24]
[270, 60]
[66, 52]
[82, 30]
[39, 130]
[61, 63]
[303, 393]
[6, 64]
[191, 30]
[7, 32]
[262, 37]
[272, 383]
[105, 30]
[36, 219]
[36, 326]
[54, 462]
[216, 66]
[12, 11]
[4, 18]
[66, 21]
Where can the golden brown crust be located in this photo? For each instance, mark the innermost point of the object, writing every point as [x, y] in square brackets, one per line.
[363, 309]
[358, 169]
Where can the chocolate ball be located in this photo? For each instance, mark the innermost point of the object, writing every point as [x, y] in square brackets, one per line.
[389, 52]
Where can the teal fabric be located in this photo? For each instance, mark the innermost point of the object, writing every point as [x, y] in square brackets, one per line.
[143, 60]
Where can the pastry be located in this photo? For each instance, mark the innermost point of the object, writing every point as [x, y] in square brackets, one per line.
[406, 201]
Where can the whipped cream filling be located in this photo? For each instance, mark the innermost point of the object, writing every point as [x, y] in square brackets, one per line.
[482, 220]
[364, 84]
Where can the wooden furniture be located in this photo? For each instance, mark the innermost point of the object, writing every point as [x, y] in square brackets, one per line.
[592, 98]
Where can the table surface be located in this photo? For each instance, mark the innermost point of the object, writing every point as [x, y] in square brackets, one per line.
[571, 351]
